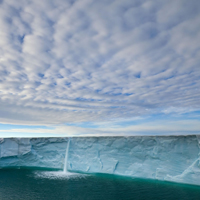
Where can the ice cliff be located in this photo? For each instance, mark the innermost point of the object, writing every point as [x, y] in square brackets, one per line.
[171, 158]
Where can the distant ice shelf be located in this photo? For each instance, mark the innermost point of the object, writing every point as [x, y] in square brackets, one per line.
[171, 158]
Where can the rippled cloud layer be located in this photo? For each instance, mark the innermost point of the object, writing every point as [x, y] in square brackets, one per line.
[78, 61]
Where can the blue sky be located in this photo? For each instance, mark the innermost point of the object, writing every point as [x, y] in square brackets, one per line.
[85, 67]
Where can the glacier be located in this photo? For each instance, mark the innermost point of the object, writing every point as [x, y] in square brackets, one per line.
[167, 158]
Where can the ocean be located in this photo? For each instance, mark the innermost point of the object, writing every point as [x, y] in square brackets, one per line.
[34, 184]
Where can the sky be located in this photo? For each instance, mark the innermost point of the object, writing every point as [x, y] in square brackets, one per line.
[99, 68]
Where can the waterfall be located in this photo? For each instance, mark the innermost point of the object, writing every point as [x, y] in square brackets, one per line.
[66, 156]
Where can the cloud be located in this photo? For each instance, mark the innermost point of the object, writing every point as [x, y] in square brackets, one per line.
[160, 127]
[75, 61]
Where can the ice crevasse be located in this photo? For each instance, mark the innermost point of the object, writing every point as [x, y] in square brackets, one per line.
[170, 158]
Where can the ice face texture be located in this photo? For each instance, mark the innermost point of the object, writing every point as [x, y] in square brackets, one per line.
[171, 158]
[32, 152]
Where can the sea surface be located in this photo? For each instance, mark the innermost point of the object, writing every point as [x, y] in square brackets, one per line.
[26, 184]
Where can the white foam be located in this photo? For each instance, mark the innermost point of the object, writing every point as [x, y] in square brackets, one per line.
[57, 175]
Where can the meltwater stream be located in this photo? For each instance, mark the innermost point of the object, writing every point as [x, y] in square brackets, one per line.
[64, 174]
[60, 175]
[66, 157]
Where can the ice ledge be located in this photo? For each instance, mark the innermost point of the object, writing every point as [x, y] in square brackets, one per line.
[171, 158]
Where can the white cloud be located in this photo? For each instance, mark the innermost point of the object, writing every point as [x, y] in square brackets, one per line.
[64, 61]
[178, 127]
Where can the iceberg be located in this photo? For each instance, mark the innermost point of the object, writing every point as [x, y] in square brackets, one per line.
[167, 158]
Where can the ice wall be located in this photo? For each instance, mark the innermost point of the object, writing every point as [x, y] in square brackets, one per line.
[33, 152]
[172, 158]
[163, 158]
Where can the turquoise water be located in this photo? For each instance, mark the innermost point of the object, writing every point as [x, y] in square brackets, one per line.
[24, 184]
